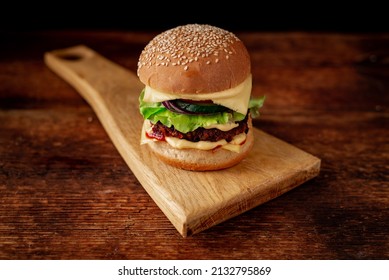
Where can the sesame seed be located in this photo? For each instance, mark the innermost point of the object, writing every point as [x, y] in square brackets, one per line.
[186, 68]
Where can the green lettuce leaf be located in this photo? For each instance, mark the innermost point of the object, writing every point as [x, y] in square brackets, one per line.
[255, 104]
[155, 111]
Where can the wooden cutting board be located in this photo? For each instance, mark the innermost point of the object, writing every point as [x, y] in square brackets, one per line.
[192, 201]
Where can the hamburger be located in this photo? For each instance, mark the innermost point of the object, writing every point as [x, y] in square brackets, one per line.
[196, 103]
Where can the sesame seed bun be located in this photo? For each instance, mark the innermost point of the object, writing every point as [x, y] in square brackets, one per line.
[194, 58]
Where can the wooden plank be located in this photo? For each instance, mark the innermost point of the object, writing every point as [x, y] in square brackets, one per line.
[192, 201]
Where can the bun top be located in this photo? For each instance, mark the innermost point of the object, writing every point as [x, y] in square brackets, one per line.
[194, 58]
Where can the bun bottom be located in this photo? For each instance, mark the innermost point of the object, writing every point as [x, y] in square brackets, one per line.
[200, 160]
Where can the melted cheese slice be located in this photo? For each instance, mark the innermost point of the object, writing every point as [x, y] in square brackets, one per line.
[177, 143]
[223, 127]
[236, 98]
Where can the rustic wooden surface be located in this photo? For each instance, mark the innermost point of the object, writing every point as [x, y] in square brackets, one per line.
[66, 193]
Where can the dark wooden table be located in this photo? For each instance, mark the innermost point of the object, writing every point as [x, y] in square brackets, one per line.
[65, 192]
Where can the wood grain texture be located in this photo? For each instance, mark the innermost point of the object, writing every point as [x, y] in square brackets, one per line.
[193, 201]
[64, 199]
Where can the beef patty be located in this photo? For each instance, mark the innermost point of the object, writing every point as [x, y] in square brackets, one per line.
[200, 134]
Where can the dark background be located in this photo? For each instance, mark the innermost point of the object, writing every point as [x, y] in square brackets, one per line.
[236, 16]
